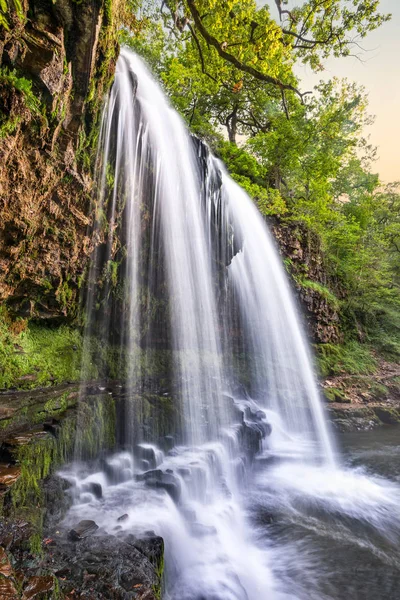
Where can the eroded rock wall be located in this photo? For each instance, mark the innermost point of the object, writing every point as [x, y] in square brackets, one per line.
[57, 60]
[304, 261]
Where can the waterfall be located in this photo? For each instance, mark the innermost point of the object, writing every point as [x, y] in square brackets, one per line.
[188, 270]
[189, 229]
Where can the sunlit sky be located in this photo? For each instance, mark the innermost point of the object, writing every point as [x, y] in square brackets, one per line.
[379, 72]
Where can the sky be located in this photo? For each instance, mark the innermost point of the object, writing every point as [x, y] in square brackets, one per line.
[379, 72]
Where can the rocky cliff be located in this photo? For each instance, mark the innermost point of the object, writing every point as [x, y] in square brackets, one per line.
[57, 60]
[303, 258]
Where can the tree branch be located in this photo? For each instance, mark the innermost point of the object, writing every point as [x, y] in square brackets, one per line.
[212, 41]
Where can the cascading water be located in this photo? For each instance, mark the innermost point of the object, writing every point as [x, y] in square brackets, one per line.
[193, 243]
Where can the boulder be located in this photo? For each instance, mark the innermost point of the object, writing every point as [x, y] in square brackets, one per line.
[95, 488]
[82, 530]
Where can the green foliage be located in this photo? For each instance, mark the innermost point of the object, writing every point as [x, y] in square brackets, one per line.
[38, 355]
[10, 79]
[351, 357]
[6, 8]
[111, 272]
[23, 85]
[316, 30]
[334, 394]
[228, 66]
[322, 290]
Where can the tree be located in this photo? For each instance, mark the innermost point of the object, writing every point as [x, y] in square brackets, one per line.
[303, 157]
[246, 36]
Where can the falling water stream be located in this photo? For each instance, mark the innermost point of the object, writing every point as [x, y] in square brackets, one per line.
[253, 440]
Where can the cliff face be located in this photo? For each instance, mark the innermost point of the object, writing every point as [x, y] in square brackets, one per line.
[57, 60]
[304, 262]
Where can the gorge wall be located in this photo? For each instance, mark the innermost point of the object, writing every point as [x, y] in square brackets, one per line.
[57, 60]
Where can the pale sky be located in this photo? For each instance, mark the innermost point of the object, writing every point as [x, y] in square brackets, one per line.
[379, 73]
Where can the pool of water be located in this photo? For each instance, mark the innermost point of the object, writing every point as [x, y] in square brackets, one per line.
[334, 533]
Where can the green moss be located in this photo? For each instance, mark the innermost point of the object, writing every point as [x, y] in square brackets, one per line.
[157, 589]
[8, 125]
[322, 290]
[96, 426]
[66, 295]
[111, 272]
[47, 354]
[352, 357]
[387, 415]
[22, 85]
[35, 544]
[334, 394]
[41, 454]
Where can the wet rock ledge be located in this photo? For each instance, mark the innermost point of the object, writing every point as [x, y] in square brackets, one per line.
[38, 558]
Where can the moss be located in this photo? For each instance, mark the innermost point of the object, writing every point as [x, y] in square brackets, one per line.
[333, 394]
[157, 589]
[96, 426]
[8, 126]
[22, 85]
[32, 410]
[111, 272]
[387, 415]
[378, 390]
[35, 544]
[352, 357]
[322, 290]
[48, 354]
[40, 454]
[66, 296]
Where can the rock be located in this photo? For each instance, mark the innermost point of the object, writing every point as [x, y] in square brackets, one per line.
[151, 546]
[6, 412]
[37, 586]
[123, 517]
[95, 489]
[353, 417]
[145, 452]
[14, 534]
[387, 415]
[169, 442]
[153, 473]
[82, 530]
[59, 54]
[251, 436]
[116, 472]
[109, 567]
[56, 500]
[166, 481]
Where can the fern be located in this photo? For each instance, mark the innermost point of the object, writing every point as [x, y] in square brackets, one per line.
[24, 86]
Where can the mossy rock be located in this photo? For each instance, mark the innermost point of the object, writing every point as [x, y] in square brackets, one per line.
[30, 457]
[389, 416]
[333, 394]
